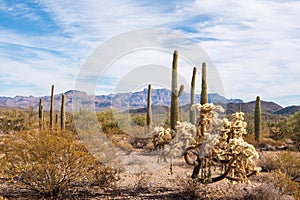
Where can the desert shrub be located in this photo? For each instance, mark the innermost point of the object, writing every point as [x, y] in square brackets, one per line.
[286, 161]
[288, 128]
[141, 180]
[250, 138]
[280, 130]
[139, 119]
[190, 187]
[13, 120]
[284, 183]
[108, 121]
[266, 191]
[49, 162]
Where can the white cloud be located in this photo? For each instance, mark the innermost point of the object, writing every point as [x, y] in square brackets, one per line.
[254, 44]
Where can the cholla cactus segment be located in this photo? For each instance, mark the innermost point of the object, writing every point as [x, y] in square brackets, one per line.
[208, 120]
[210, 140]
[208, 107]
[161, 137]
[238, 115]
[183, 139]
[238, 146]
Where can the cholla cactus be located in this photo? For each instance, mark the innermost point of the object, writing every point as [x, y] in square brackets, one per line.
[222, 147]
[161, 137]
[183, 139]
[215, 143]
[208, 117]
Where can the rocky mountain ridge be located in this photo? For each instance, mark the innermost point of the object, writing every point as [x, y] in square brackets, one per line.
[138, 100]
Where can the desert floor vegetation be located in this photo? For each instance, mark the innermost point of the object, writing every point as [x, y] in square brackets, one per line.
[55, 164]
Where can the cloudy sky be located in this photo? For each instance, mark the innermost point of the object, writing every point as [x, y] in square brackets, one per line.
[254, 44]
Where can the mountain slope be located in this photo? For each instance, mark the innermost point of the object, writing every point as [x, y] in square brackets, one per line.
[121, 101]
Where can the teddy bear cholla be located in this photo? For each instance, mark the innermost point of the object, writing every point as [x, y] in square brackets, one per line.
[214, 144]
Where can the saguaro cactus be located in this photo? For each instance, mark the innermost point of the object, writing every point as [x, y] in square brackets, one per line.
[41, 114]
[56, 120]
[62, 112]
[193, 88]
[204, 93]
[149, 109]
[257, 119]
[52, 108]
[175, 92]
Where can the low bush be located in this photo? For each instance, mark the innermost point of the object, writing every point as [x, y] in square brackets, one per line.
[50, 162]
[285, 161]
[286, 186]
[14, 120]
[266, 191]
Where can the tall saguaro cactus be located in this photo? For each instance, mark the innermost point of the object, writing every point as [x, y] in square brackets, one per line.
[204, 93]
[257, 119]
[193, 89]
[41, 114]
[52, 108]
[149, 109]
[62, 112]
[174, 117]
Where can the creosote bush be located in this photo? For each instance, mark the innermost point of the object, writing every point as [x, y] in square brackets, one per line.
[13, 120]
[288, 128]
[285, 161]
[48, 162]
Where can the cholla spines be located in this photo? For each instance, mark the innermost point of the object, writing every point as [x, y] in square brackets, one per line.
[171, 144]
[223, 147]
[204, 92]
[41, 114]
[208, 115]
[52, 108]
[62, 113]
[257, 119]
[149, 109]
[174, 117]
[193, 89]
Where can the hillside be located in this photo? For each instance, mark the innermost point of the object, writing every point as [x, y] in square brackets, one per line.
[120, 101]
[136, 102]
[288, 110]
[266, 107]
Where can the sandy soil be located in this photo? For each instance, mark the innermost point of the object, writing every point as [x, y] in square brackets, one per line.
[155, 184]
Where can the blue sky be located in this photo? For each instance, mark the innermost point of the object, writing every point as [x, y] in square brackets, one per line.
[254, 44]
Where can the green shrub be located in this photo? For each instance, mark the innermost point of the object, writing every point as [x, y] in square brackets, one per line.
[139, 120]
[266, 191]
[14, 120]
[288, 128]
[282, 181]
[49, 162]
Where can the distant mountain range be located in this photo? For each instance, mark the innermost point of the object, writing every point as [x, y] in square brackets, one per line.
[161, 99]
